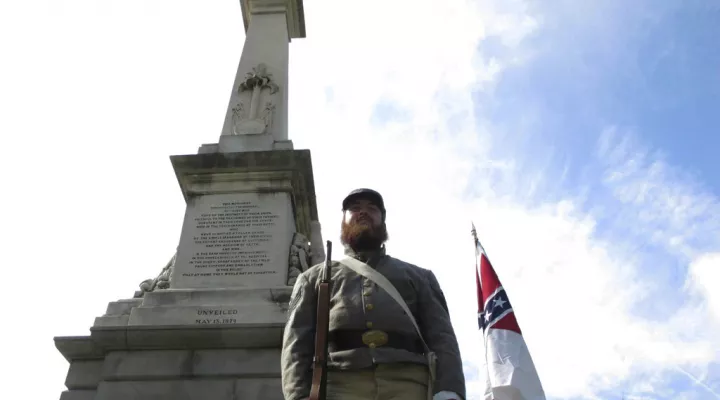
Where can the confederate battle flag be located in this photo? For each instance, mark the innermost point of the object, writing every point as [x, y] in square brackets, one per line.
[511, 373]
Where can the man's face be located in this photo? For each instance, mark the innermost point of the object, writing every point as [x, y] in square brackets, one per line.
[363, 212]
[363, 227]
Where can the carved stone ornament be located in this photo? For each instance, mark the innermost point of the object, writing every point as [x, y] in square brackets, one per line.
[162, 281]
[299, 261]
[253, 120]
[304, 254]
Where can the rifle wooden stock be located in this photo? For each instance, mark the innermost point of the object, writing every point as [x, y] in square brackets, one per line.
[319, 375]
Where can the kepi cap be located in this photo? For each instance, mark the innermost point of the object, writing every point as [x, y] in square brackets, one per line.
[365, 193]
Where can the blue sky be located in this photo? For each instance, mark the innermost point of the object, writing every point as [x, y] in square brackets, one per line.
[579, 137]
[649, 67]
[649, 71]
[641, 71]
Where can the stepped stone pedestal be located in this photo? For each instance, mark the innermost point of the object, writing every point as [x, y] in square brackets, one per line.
[210, 326]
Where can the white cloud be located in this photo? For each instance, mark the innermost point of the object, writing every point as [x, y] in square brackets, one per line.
[704, 277]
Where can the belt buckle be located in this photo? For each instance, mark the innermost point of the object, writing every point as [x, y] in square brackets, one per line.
[374, 338]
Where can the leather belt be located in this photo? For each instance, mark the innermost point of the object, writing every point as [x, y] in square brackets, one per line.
[346, 339]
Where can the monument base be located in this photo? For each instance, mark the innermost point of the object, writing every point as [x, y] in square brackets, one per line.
[209, 344]
[210, 337]
[158, 363]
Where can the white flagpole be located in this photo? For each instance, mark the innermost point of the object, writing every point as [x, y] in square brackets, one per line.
[482, 305]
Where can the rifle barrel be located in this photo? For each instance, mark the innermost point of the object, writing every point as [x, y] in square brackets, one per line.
[328, 261]
[319, 373]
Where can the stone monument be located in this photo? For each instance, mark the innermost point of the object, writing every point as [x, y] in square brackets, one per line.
[209, 325]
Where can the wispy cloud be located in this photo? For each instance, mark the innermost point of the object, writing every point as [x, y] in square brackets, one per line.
[699, 382]
[663, 203]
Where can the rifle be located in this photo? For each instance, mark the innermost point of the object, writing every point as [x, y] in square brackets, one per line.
[319, 375]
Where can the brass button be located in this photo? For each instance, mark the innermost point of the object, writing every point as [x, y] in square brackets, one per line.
[371, 345]
[369, 306]
[368, 324]
[366, 293]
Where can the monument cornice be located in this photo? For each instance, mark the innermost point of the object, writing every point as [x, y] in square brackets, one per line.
[254, 171]
[293, 8]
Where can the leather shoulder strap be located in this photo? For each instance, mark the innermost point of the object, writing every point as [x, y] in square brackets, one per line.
[370, 273]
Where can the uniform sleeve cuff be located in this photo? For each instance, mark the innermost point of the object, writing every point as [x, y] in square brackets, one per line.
[446, 395]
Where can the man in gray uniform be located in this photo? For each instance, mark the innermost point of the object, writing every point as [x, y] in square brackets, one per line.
[374, 350]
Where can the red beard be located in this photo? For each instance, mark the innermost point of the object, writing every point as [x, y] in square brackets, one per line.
[363, 236]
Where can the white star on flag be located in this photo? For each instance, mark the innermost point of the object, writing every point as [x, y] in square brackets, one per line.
[498, 302]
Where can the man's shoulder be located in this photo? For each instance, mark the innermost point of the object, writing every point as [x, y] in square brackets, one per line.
[408, 266]
[313, 273]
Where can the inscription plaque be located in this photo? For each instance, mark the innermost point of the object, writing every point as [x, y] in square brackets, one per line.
[227, 314]
[235, 240]
[216, 315]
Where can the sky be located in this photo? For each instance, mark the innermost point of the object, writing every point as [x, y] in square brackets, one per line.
[579, 137]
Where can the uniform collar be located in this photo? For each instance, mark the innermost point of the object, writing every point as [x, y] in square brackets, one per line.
[370, 257]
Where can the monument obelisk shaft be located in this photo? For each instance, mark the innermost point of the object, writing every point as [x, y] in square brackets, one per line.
[257, 114]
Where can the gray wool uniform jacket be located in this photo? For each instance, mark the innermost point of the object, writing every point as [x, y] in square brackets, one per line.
[358, 304]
